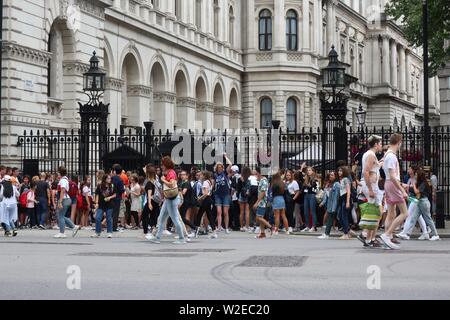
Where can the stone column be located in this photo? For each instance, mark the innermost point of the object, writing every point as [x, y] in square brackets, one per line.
[402, 59]
[139, 98]
[235, 119]
[252, 34]
[317, 30]
[163, 110]
[320, 28]
[386, 78]
[305, 23]
[394, 78]
[279, 26]
[355, 5]
[331, 29]
[185, 113]
[113, 95]
[208, 19]
[408, 73]
[376, 61]
[116, 4]
[221, 117]
[223, 21]
[205, 114]
[432, 91]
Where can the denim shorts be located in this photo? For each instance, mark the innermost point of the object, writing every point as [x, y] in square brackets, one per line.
[278, 203]
[220, 200]
[74, 200]
[261, 212]
[243, 199]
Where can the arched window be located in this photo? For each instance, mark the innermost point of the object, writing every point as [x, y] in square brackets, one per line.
[198, 14]
[265, 30]
[291, 115]
[216, 18]
[291, 31]
[231, 27]
[266, 113]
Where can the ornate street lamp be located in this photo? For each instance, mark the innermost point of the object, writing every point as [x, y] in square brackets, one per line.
[334, 112]
[94, 119]
[94, 81]
[361, 115]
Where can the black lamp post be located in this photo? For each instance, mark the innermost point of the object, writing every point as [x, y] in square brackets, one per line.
[94, 118]
[361, 115]
[334, 79]
[426, 106]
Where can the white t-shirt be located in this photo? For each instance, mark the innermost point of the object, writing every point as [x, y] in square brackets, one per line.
[86, 191]
[207, 185]
[391, 162]
[64, 183]
[434, 182]
[253, 180]
[293, 187]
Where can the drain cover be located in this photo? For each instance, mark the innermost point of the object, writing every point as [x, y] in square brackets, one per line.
[133, 255]
[274, 261]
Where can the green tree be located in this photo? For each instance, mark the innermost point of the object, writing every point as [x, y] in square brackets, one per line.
[410, 14]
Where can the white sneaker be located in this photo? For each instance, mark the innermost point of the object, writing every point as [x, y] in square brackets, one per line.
[424, 236]
[323, 237]
[243, 229]
[55, 227]
[258, 230]
[287, 232]
[209, 228]
[312, 230]
[167, 233]
[250, 230]
[387, 241]
[191, 235]
[187, 239]
[109, 235]
[75, 230]
[149, 236]
[403, 236]
[60, 236]
[227, 231]
[435, 238]
[213, 235]
[290, 230]
[95, 235]
[305, 230]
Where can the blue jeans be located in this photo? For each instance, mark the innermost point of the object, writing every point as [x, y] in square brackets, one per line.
[109, 220]
[343, 213]
[310, 202]
[42, 209]
[170, 209]
[425, 210]
[61, 214]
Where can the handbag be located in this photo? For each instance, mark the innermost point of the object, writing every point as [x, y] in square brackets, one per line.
[319, 196]
[170, 193]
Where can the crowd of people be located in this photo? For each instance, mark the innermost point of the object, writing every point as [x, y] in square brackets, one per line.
[164, 200]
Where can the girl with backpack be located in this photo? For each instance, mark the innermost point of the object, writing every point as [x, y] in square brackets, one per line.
[64, 205]
[73, 194]
[278, 203]
[8, 206]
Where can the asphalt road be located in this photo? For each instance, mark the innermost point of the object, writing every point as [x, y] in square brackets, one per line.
[236, 266]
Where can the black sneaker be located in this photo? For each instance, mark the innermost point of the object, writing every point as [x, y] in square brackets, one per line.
[376, 244]
[8, 234]
[42, 227]
[14, 233]
[361, 238]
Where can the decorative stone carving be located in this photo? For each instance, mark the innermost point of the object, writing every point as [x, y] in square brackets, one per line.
[114, 84]
[139, 90]
[205, 107]
[294, 56]
[168, 97]
[186, 102]
[236, 114]
[84, 5]
[221, 110]
[264, 57]
[54, 108]
[75, 67]
[25, 54]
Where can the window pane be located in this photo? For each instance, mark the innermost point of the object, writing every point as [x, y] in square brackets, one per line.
[269, 42]
[269, 25]
[261, 42]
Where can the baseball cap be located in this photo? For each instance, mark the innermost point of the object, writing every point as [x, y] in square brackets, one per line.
[235, 168]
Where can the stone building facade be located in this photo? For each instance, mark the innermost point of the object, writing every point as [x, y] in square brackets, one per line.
[203, 64]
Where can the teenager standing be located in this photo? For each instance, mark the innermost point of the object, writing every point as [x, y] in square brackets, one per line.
[104, 196]
[64, 205]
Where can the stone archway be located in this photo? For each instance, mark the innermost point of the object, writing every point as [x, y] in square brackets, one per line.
[163, 101]
[235, 112]
[185, 106]
[204, 110]
[221, 112]
[130, 97]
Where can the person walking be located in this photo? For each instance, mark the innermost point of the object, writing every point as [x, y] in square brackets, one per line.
[243, 190]
[136, 203]
[86, 202]
[119, 190]
[260, 206]
[43, 197]
[372, 195]
[8, 206]
[64, 205]
[394, 191]
[278, 204]
[104, 196]
[170, 204]
[344, 204]
[31, 205]
[294, 195]
[205, 201]
[330, 202]
[152, 200]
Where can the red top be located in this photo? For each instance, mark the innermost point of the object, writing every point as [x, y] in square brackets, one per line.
[171, 175]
